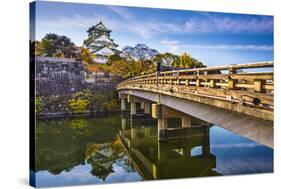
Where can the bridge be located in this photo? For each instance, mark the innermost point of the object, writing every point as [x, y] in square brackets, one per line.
[237, 97]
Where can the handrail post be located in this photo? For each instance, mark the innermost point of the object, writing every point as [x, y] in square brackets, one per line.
[258, 86]
[212, 83]
[231, 82]
[198, 84]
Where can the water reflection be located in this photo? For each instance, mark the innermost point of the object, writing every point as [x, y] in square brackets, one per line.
[186, 156]
[81, 151]
[110, 149]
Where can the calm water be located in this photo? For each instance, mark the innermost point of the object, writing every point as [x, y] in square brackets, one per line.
[111, 149]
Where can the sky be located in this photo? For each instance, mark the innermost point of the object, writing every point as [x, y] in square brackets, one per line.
[213, 38]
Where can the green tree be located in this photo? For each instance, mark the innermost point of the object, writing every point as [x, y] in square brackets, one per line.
[186, 61]
[54, 45]
[167, 59]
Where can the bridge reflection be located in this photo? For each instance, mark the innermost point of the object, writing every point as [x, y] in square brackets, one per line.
[186, 155]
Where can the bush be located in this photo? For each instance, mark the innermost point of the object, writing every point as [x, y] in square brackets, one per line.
[111, 105]
[39, 105]
[78, 105]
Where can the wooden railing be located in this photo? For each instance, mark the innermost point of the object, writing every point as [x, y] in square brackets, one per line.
[232, 83]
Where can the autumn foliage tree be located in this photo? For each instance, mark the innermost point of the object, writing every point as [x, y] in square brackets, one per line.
[129, 68]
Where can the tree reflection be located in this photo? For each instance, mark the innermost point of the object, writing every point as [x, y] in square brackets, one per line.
[63, 144]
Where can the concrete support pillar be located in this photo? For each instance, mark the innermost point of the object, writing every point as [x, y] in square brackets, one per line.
[162, 123]
[133, 133]
[186, 152]
[162, 128]
[123, 124]
[146, 108]
[186, 121]
[142, 105]
[147, 131]
[123, 104]
[206, 145]
[133, 108]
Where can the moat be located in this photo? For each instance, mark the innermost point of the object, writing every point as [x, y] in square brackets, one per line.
[116, 149]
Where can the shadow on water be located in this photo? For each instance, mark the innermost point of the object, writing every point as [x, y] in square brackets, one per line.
[110, 149]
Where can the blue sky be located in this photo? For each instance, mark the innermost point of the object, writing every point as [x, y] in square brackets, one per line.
[213, 38]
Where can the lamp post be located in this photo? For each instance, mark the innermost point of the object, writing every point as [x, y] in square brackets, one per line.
[158, 72]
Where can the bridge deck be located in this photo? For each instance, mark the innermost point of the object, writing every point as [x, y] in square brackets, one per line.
[249, 93]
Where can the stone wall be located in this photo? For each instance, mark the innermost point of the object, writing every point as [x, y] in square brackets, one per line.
[58, 80]
[65, 76]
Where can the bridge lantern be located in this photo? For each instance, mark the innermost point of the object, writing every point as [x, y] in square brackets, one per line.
[158, 66]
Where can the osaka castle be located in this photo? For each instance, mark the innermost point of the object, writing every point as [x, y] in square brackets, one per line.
[100, 44]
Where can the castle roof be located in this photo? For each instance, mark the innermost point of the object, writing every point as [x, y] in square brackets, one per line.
[102, 39]
[99, 26]
[105, 48]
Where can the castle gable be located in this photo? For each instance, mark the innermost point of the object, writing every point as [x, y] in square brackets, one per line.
[105, 51]
[104, 38]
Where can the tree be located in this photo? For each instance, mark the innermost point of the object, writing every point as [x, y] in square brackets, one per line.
[167, 59]
[140, 52]
[86, 56]
[54, 45]
[114, 58]
[130, 68]
[186, 61]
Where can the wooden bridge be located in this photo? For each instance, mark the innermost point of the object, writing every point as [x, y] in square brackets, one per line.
[237, 97]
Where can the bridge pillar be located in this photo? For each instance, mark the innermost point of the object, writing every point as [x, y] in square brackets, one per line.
[186, 152]
[142, 105]
[133, 108]
[123, 99]
[147, 131]
[147, 110]
[137, 106]
[186, 121]
[123, 104]
[133, 133]
[206, 145]
[162, 128]
[123, 123]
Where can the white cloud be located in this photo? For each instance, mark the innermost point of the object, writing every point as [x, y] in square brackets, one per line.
[127, 21]
[176, 45]
[122, 12]
[210, 23]
[168, 42]
[232, 47]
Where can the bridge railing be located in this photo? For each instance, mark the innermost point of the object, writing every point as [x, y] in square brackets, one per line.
[232, 82]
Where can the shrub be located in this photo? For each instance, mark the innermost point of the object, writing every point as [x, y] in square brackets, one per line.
[39, 105]
[78, 105]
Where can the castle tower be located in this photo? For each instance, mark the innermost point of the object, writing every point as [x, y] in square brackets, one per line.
[100, 44]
